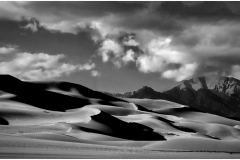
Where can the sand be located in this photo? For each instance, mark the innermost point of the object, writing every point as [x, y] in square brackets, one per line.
[20, 147]
[128, 128]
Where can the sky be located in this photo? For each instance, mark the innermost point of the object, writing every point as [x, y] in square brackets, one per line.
[119, 46]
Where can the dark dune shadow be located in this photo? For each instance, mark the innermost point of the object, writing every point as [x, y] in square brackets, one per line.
[67, 86]
[177, 111]
[50, 101]
[104, 99]
[211, 137]
[121, 129]
[170, 123]
[35, 96]
[3, 121]
[38, 95]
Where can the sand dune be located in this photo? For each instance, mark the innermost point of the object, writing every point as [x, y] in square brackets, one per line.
[154, 104]
[69, 119]
[117, 111]
[220, 131]
[39, 117]
[199, 116]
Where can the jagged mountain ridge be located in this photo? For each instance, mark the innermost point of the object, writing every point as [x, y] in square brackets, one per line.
[144, 92]
[219, 96]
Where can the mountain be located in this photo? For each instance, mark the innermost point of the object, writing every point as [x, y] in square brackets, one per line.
[144, 92]
[219, 96]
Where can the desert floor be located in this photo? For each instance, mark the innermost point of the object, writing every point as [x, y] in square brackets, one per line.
[16, 147]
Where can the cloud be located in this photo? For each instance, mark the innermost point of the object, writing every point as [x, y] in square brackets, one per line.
[204, 11]
[173, 37]
[115, 52]
[214, 47]
[167, 60]
[32, 26]
[129, 56]
[130, 42]
[95, 73]
[7, 49]
[184, 72]
[58, 10]
[87, 66]
[66, 16]
[235, 71]
[39, 66]
[159, 54]
[86, 9]
[110, 47]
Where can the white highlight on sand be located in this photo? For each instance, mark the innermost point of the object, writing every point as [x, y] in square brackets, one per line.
[69, 130]
[134, 106]
[237, 126]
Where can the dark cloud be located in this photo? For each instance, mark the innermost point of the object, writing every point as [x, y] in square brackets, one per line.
[135, 49]
[82, 8]
[187, 41]
[153, 22]
[174, 66]
[231, 38]
[205, 11]
[217, 65]
[234, 6]
[225, 61]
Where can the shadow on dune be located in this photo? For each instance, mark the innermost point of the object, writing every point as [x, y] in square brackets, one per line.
[51, 101]
[37, 94]
[3, 121]
[104, 99]
[170, 123]
[68, 87]
[183, 128]
[177, 111]
[121, 129]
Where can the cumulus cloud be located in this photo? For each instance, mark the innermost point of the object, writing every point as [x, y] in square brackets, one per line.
[130, 42]
[87, 66]
[39, 66]
[184, 72]
[160, 54]
[7, 49]
[163, 58]
[110, 47]
[129, 56]
[95, 73]
[115, 52]
[32, 26]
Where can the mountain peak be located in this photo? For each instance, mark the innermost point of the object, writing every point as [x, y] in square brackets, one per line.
[144, 92]
[146, 88]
